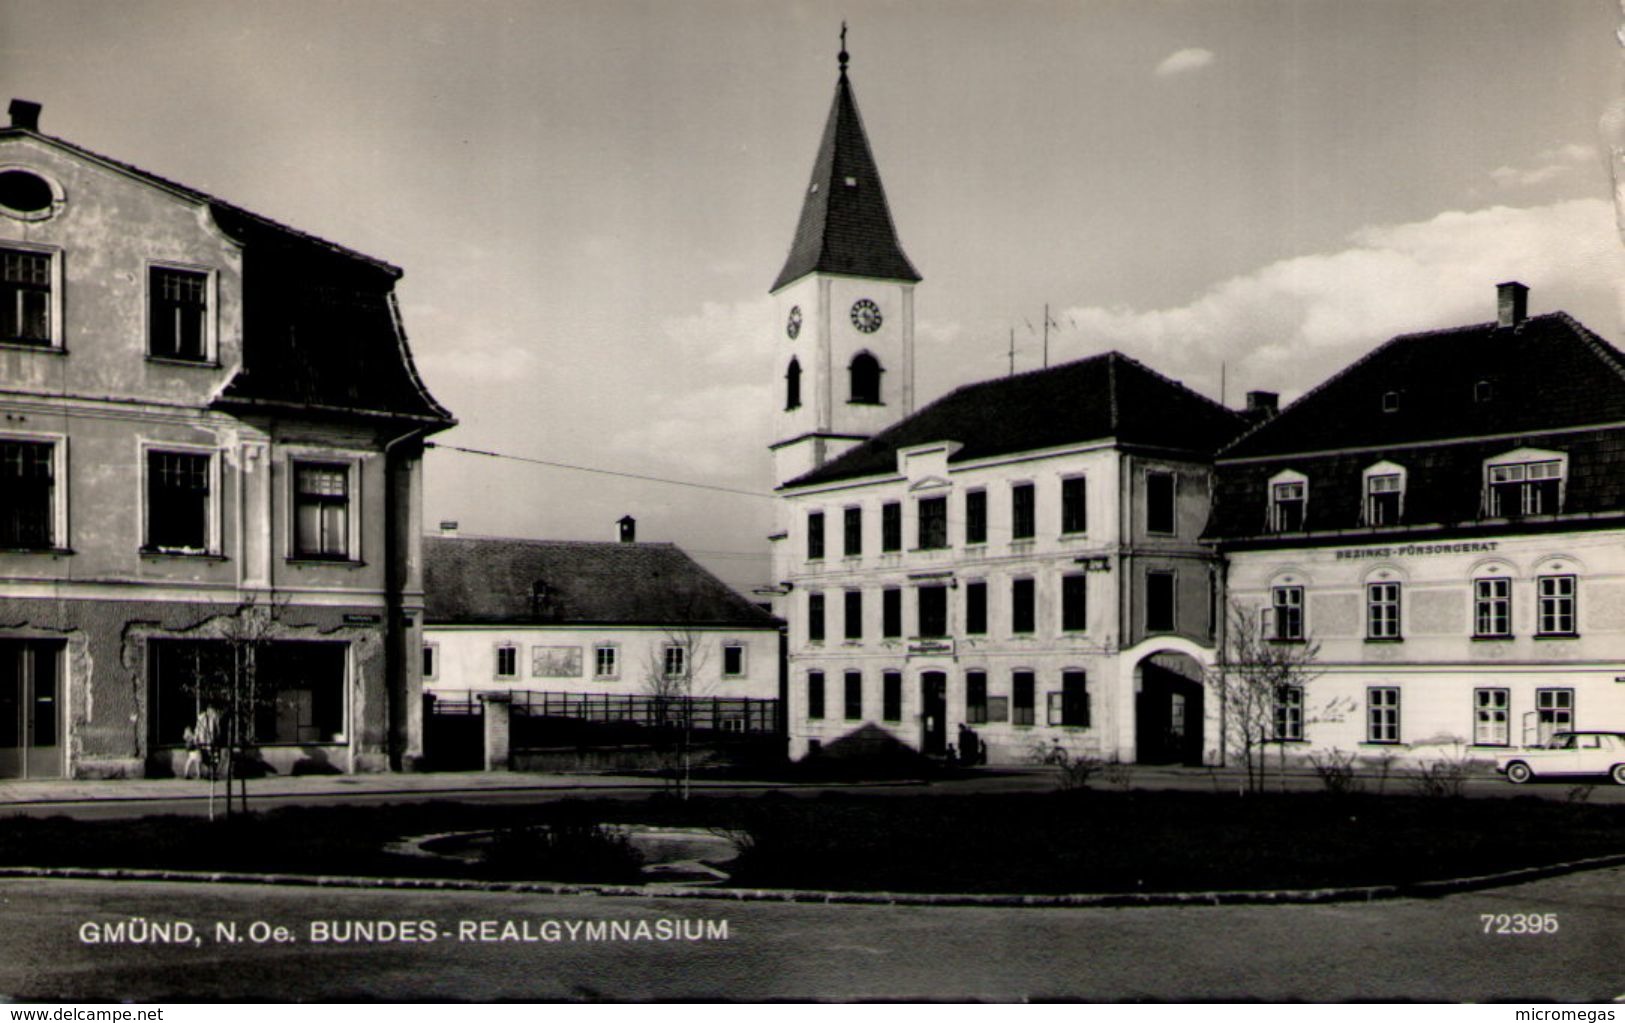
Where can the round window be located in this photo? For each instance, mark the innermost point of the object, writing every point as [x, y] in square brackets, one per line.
[24, 193]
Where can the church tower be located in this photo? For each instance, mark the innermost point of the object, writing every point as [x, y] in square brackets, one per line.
[844, 304]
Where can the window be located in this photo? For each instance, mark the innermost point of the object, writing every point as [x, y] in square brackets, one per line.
[507, 661]
[815, 535]
[1492, 608]
[1382, 611]
[976, 516]
[1289, 713]
[1022, 526]
[178, 313]
[1383, 494]
[25, 297]
[1286, 612]
[1159, 601]
[1554, 712]
[1557, 600]
[792, 385]
[865, 373]
[1159, 503]
[853, 618]
[606, 661]
[975, 697]
[1288, 503]
[1525, 488]
[815, 695]
[1074, 603]
[1070, 707]
[674, 660]
[733, 660]
[1021, 698]
[976, 608]
[1491, 717]
[27, 494]
[891, 613]
[852, 532]
[321, 510]
[933, 522]
[854, 696]
[1022, 599]
[1074, 505]
[1382, 714]
[178, 501]
[891, 696]
[300, 688]
[933, 601]
[815, 617]
[891, 526]
[430, 656]
[1390, 401]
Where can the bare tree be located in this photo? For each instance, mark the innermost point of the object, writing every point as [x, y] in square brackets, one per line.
[669, 678]
[231, 692]
[1263, 690]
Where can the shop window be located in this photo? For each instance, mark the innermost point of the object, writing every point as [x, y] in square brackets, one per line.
[295, 690]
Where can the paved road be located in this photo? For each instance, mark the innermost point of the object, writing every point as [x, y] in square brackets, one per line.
[1405, 949]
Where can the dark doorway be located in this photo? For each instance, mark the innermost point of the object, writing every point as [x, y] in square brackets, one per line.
[1169, 711]
[30, 709]
[934, 712]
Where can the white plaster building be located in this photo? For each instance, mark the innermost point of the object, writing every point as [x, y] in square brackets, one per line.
[1020, 557]
[1446, 518]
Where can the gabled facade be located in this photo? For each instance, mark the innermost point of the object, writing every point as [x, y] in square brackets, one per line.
[1446, 517]
[206, 418]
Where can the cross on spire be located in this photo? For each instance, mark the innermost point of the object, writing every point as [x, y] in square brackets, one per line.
[843, 48]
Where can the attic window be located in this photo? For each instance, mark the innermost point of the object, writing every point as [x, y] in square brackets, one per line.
[1390, 401]
[851, 182]
[26, 195]
[1482, 391]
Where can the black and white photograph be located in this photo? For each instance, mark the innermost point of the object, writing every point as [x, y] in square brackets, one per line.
[948, 501]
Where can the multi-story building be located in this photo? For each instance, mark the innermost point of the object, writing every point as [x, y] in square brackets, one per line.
[210, 465]
[1446, 519]
[590, 619]
[1019, 558]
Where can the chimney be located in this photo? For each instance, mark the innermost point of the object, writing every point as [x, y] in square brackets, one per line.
[1263, 404]
[25, 114]
[1511, 303]
[628, 532]
[448, 527]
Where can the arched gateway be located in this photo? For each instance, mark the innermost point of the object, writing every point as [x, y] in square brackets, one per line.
[1171, 705]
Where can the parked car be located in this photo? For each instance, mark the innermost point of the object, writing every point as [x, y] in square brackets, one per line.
[1567, 753]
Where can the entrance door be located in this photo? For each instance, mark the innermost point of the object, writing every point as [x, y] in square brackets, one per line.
[30, 709]
[1168, 717]
[934, 712]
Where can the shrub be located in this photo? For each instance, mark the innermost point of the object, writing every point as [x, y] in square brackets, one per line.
[1441, 779]
[565, 850]
[1075, 768]
[1336, 772]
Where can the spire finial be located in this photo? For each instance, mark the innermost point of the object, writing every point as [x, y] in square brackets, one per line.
[844, 57]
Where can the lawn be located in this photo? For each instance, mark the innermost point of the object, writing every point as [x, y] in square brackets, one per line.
[1062, 842]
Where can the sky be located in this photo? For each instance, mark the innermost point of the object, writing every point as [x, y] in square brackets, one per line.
[591, 199]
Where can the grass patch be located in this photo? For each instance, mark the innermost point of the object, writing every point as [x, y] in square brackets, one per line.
[1082, 841]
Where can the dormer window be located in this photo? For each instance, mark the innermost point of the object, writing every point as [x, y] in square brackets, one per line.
[1289, 502]
[1384, 503]
[1524, 483]
[178, 313]
[1390, 401]
[1483, 391]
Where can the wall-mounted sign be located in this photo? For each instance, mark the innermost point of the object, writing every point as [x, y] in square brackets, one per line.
[555, 662]
[363, 619]
[931, 648]
[1414, 549]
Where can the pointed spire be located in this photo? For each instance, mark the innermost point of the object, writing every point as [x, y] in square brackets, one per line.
[845, 224]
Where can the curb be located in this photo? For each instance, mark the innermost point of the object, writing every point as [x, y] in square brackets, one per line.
[1367, 893]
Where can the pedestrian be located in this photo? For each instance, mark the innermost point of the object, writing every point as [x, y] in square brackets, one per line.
[194, 755]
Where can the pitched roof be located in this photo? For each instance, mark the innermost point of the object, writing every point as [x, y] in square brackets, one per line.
[321, 330]
[845, 225]
[1546, 373]
[1104, 396]
[493, 580]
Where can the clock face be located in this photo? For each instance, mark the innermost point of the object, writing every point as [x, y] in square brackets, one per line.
[866, 316]
[793, 327]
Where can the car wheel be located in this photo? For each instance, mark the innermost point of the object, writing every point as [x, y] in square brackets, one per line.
[1518, 773]
[1618, 774]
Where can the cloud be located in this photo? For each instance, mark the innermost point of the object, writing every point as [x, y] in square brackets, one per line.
[1553, 163]
[1292, 323]
[1181, 61]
